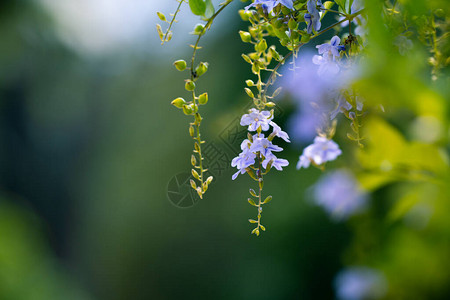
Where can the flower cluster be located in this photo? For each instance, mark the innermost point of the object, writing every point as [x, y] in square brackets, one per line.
[318, 153]
[268, 5]
[258, 146]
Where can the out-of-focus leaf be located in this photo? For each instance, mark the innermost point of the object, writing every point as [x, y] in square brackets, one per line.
[198, 7]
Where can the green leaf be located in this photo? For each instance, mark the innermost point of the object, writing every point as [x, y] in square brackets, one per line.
[341, 3]
[198, 7]
[209, 11]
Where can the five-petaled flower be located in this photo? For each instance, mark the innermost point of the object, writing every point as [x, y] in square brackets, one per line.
[256, 119]
[321, 151]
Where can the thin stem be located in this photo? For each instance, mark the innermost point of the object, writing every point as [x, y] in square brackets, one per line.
[197, 116]
[207, 26]
[171, 22]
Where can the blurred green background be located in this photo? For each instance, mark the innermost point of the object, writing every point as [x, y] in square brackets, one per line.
[89, 144]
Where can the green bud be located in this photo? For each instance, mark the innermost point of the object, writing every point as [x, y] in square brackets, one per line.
[180, 65]
[198, 29]
[255, 68]
[246, 58]
[209, 180]
[267, 200]
[198, 118]
[274, 53]
[190, 85]
[160, 32]
[188, 109]
[270, 104]
[245, 36]
[193, 185]
[254, 55]
[201, 69]
[161, 16]
[178, 103]
[244, 15]
[292, 24]
[195, 174]
[203, 98]
[249, 82]
[261, 46]
[249, 93]
[191, 129]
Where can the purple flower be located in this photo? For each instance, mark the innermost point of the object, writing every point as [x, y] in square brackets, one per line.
[359, 283]
[278, 132]
[245, 159]
[268, 5]
[321, 151]
[277, 163]
[257, 118]
[264, 146]
[331, 49]
[312, 18]
[327, 66]
[340, 195]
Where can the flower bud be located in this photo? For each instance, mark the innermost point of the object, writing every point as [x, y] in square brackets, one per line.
[249, 82]
[190, 85]
[203, 98]
[261, 46]
[188, 109]
[245, 36]
[201, 69]
[274, 53]
[244, 15]
[270, 104]
[246, 58]
[198, 29]
[249, 93]
[161, 16]
[178, 103]
[180, 65]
